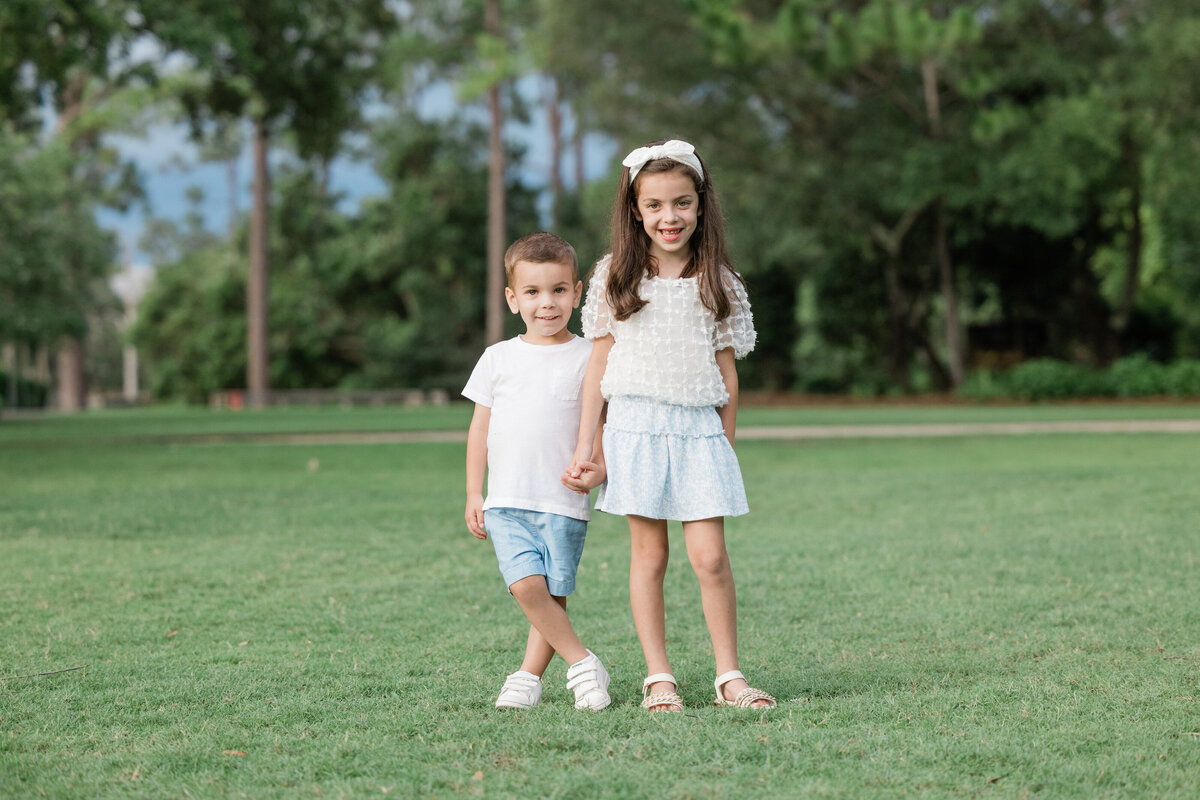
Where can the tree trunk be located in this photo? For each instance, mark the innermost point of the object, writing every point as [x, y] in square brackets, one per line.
[257, 383]
[231, 183]
[554, 115]
[577, 141]
[71, 388]
[890, 242]
[1133, 274]
[954, 346]
[494, 302]
[70, 355]
[12, 356]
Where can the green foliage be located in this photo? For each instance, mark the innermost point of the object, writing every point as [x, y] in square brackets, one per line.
[22, 392]
[303, 65]
[45, 44]
[390, 297]
[191, 330]
[1051, 147]
[1138, 376]
[55, 257]
[1049, 379]
[1183, 378]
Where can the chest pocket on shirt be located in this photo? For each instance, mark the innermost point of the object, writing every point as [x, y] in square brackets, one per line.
[567, 386]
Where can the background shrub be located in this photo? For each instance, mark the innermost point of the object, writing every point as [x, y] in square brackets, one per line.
[29, 394]
[1138, 376]
[1047, 379]
[1182, 378]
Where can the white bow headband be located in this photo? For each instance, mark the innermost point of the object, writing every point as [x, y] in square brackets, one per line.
[675, 150]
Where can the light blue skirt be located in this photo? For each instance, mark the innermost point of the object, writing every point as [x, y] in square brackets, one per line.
[669, 462]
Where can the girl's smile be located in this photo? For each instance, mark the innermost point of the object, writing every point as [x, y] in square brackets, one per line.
[669, 210]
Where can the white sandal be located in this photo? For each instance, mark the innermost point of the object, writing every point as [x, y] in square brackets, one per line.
[746, 697]
[672, 699]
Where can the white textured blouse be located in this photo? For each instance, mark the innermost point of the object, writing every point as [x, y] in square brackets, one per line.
[667, 350]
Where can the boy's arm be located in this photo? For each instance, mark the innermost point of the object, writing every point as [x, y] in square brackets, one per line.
[728, 412]
[591, 473]
[476, 469]
[593, 401]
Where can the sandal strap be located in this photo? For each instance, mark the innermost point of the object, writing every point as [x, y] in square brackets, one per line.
[721, 680]
[749, 695]
[658, 677]
[662, 699]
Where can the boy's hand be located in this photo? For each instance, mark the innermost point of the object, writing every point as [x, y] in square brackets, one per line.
[474, 516]
[584, 476]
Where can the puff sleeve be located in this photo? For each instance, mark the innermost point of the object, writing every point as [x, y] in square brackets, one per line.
[736, 330]
[596, 317]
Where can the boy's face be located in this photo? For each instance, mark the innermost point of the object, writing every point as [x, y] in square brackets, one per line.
[544, 294]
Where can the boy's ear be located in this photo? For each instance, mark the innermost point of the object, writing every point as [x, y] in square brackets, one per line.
[511, 297]
[578, 294]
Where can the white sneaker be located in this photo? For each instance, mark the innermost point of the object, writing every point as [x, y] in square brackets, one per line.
[589, 680]
[521, 690]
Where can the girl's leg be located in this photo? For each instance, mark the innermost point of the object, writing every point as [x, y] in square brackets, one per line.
[705, 541]
[538, 652]
[648, 556]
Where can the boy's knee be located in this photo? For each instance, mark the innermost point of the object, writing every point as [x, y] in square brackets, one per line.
[529, 588]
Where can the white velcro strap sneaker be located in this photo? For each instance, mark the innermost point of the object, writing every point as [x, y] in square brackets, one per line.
[521, 690]
[588, 679]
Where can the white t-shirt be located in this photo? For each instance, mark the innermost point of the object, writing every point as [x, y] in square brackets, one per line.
[667, 350]
[535, 394]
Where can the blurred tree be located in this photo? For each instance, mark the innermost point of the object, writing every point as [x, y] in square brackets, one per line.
[390, 297]
[300, 66]
[71, 60]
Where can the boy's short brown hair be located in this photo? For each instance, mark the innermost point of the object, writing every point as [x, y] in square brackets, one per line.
[540, 248]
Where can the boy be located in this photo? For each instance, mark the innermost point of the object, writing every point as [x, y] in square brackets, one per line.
[527, 394]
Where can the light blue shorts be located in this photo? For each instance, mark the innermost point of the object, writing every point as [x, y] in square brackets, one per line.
[536, 543]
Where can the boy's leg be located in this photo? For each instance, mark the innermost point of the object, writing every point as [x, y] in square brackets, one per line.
[705, 540]
[548, 615]
[649, 552]
[586, 676]
[523, 688]
[539, 652]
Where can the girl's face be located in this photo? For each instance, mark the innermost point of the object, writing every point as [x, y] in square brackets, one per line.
[668, 207]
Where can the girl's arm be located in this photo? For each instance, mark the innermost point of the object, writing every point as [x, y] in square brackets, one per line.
[728, 412]
[592, 473]
[477, 436]
[593, 402]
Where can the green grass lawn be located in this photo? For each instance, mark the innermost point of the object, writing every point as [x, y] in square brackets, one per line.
[966, 617]
[172, 422]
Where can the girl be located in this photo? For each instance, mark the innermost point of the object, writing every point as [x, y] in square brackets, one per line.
[668, 316]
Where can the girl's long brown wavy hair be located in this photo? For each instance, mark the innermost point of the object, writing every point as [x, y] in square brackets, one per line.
[631, 259]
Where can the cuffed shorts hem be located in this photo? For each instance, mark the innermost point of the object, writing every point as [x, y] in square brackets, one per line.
[536, 543]
[516, 572]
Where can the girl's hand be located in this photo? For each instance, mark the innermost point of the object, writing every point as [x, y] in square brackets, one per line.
[474, 516]
[590, 476]
[583, 455]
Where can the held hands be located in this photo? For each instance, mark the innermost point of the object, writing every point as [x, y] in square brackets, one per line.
[583, 475]
[474, 516]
